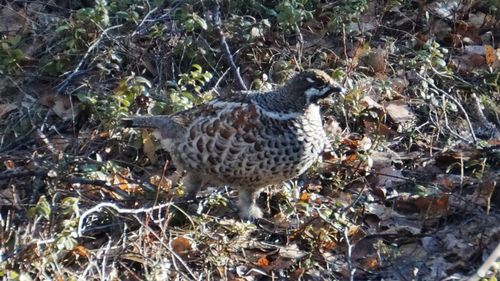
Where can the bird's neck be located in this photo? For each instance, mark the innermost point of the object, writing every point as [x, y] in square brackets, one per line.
[283, 100]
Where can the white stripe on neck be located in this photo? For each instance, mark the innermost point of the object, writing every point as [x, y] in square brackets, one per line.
[286, 116]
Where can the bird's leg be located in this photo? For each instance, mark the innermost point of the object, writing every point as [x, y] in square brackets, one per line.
[192, 185]
[247, 203]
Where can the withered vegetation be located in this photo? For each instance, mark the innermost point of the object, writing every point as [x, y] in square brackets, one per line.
[408, 190]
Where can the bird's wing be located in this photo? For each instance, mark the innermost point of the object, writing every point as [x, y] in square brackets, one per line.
[176, 124]
[186, 117]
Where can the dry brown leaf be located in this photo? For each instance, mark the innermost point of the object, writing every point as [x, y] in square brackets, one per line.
[163, 183]
[64, 107]
[376, 60]
[77, 253]
[482, 194]
[9, 164]
[448, 181]
[181, 246]
[490, 55]
[351, 158]
[304, 197]
[369, 263]
[11, 21]
[124, 185]
[329, 245]
[297, 274]
[6, 108]
[378, 129]
[434, 206]
[263, 262]
[149, 147]
[399, 113]
[81, 251]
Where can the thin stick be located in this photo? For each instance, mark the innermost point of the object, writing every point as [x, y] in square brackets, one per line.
[113, 206]
[349, 255]
[225, 48]
[459, 105]
[61, 86]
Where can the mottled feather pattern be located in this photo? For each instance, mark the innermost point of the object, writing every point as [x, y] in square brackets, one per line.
[243, 147]
[248, 140]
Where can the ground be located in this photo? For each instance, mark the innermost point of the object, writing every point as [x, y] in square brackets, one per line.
[407, 191]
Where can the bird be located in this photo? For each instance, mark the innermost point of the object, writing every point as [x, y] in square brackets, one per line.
[248, 140]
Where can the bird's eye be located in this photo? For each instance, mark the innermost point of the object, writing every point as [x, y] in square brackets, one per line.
[310, 80]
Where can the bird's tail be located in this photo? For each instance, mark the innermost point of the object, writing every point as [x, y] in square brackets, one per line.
[163, 124]
[144, 121]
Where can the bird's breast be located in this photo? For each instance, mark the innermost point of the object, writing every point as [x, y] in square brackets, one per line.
[243, 146]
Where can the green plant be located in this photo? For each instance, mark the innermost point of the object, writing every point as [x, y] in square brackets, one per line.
[345, 12]
[109, 108]
[189, 19]
[291, 14]
[187, 91]
[11, 56]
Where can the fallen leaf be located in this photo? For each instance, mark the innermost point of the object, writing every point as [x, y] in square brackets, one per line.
[262, 262]
[368, 102]
[369, 263]
[291, 251]
[490, 55]
[328, 246]
[375, 61]
[304, 197]
[181, 246]
[9, 164]
[11, 21]
[148, 146]
[378, 129]
[64, 107]
[6, 108]
[399, 113]
[161, 182]
[433, 206]
[482, 194]
[124, 185]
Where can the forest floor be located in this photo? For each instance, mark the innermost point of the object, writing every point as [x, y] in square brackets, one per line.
[408, 192]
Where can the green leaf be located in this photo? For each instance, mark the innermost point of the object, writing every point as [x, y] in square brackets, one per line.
[62, 28]
[198, 67]
[43, 208]
[140, 79]
[200, 21]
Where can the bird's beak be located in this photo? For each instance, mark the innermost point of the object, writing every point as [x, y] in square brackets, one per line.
[328, 100]
[339, 89]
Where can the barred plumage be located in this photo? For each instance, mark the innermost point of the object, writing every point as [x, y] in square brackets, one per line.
[249, 140]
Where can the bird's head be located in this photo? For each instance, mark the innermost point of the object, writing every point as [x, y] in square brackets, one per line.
[311, 86]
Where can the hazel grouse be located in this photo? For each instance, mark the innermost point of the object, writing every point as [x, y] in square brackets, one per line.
[249, 140]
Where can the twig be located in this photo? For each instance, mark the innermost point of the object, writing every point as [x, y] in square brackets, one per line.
[25, 139]
[78, 180]
[300, 46]
[117, 209]
[459, 105]
[490, 261]
[225, 48]
[139, 26]
[16, 173]
[173, 253]
[371, 172]
[221, 78]
[446, 122]
[490, 127]
[61, 86]
[349, 254]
